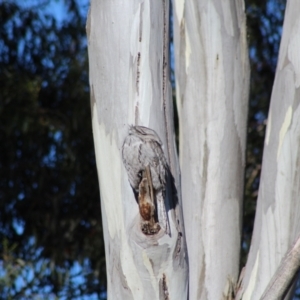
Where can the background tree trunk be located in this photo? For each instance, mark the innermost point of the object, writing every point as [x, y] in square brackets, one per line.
[212, 84]
[129, 80]
[277, 220]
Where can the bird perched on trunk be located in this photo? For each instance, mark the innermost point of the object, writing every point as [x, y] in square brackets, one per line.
[144, 161]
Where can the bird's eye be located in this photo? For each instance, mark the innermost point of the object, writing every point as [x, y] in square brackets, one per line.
[140, 174]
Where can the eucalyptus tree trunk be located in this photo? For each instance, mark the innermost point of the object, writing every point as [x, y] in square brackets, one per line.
[277, 221]
[129, 82]
[212, 84]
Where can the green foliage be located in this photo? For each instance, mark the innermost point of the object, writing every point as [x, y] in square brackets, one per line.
[49, 197]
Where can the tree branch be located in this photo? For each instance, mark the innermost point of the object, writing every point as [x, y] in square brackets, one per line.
[285, 274]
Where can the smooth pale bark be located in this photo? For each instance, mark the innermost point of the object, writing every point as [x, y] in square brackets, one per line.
[212, 83]
[129, 81]
[277, 220]
[285, 275]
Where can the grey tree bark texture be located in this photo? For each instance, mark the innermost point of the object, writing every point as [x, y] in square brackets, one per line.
[129, 81]
[212, 84]
[144, 236]
[277, 221]
[280, 284]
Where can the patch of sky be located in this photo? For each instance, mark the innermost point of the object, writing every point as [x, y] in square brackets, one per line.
[21, 196]
[51, 158]
[26, 275]
[260, 117]
[84, 7]
[85, 224]
[77, 279]
[252, 52]
[76, 274]
[275, 8]
[26, 281]
[58, 9]
[47, 63]
[19, 226]
[58, 136]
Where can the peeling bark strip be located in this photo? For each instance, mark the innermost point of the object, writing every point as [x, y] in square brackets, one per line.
[164, 294]
[146, 167]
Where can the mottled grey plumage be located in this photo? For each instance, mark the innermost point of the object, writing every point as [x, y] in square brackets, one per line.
[143, 147]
